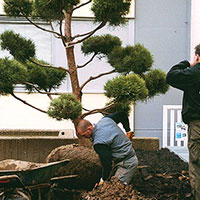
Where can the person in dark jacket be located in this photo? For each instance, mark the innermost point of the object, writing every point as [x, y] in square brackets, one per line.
[186, 77]
[112, 144]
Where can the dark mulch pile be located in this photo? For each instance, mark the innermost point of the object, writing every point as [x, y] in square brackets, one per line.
[162, 175]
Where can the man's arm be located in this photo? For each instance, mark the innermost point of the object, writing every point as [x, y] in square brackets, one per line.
[106, 159]
[182, 76]
[121, 117]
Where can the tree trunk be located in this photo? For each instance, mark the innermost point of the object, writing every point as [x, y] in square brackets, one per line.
[76, 90]
[84, 162]
[70, 57]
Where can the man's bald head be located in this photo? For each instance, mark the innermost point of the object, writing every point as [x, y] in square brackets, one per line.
[83, 127]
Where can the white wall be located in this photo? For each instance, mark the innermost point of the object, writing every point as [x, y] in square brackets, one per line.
[16, 115]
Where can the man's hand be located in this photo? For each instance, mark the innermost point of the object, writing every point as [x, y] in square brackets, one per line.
[195, 60]
[130, 135]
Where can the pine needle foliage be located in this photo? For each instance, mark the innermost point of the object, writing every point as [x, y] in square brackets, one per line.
[45, 78]
[112, 11]
[19, 47]
[65, 107]
[103, 44]
[128, 88]
[127, 59]
[11, 73]
[18, 8]
[53, 9]
[155, 82]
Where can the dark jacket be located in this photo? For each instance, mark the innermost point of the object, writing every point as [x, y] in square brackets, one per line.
[187, 79]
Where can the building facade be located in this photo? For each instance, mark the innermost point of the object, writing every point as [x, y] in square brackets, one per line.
[169, 29]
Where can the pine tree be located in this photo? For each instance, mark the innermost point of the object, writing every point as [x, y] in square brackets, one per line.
[135, 80]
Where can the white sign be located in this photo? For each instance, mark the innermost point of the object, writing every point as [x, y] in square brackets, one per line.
[181, 131]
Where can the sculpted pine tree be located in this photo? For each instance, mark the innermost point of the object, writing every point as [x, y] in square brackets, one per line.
[135, 80]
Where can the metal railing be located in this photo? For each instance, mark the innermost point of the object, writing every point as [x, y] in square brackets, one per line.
[172, 120]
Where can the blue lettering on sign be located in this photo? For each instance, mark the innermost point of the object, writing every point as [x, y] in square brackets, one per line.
[178, 135]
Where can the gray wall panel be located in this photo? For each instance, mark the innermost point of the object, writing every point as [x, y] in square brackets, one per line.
[164, 28]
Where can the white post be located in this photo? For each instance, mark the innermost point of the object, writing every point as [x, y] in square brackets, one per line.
[172, 123]
[172, 109]
[165, 126]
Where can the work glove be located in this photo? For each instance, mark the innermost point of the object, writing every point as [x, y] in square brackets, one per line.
[130, 135]
[101, 181]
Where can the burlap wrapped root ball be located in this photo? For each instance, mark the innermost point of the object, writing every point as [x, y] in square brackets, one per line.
[84, 162]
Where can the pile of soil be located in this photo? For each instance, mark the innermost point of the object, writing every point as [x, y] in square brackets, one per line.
[19, 165]
[161, 175]
[113, 189]
[164, 176]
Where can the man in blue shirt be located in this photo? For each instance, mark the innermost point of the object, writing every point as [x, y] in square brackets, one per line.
[112, 144]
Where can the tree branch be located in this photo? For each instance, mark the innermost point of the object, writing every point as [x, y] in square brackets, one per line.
[52, 28]
[81, 66]
[70, 44]
[41, 28]
[61, 32]
[100, 110]
[96, 77]
[101, 25]
[82, 5]
[27, 103]
[48, 66]
[39, 91]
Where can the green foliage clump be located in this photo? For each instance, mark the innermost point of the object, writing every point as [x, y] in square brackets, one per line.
[11, 73]
[19, 47]
[135, 59]
[65, 107]
[46, 78]
[103, 44]
[17, 8]
[113, 11]
[53, 10]
[155, 82]
[128, 88]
